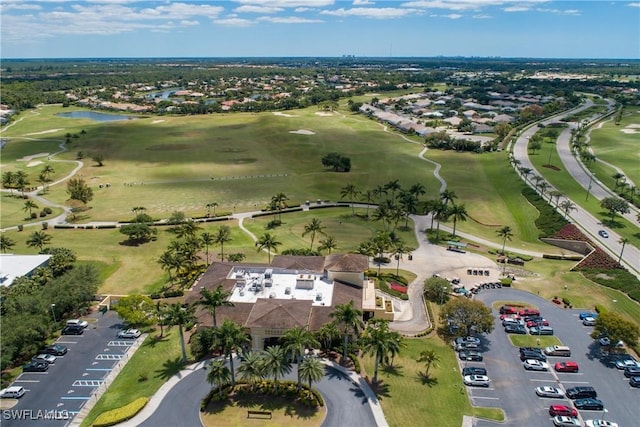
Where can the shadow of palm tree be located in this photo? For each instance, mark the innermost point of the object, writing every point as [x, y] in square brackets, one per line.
[427, 379]
[380, 389]
[170, 368]
[394, 370]
[154, 340]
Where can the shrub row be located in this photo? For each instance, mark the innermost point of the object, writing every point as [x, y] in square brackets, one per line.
[118, 415]
[549, 221]
[562, 257]
[168, 294]
[618, 279]
[356, 363]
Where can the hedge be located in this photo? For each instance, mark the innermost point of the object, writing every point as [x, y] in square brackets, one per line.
[549, 221]
[118, 415]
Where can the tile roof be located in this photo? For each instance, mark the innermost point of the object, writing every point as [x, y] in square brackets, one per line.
[356, 263]
[279, 314]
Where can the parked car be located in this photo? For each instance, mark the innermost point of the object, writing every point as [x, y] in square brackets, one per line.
[507, 309]
[581, 392]
[473, 370]
[557, 350]
[606, 342]
[533, 349]
[564, 421]
[537, 322]
[77, 322]
[535, 365]
[55, 349]
[562, 410]
[586, 314]
[541, 330]
[467, 346]
[632, 371]
[470, 355]
[529, 312]
[599, 423]
[13, 392]
[512, 321]
[634, 382]
[515, 329]
[533, 355]
[35, 367]
[129, 333]
[546, 391]
[47, 358]
[589, 404]
[603, 234]
[72, 330]
[469, 339]
[626, 361]
[566, 367]
[589, 321]
[514, 316]
[477, 380]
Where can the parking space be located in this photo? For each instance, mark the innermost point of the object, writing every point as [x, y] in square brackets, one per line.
[514, 387]
[59, 393]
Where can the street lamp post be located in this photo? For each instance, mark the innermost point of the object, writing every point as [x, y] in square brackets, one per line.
[589, 186]
[53, 313]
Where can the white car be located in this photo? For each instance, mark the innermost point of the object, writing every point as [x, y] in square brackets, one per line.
[49, 358]
[589, 321]
[14, 392]
[547, 391]
[535, 365]
[77, 322]
[625, 363]
[564, 421]
[477, 380]
[129, 333]
[600, 423]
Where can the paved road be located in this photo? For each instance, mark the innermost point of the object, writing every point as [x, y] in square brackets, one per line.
[581, 217]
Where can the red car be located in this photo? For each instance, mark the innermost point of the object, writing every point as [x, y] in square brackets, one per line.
[562, 410]
[532, 323]
[566, 367]
[506, 309]
[529, 312]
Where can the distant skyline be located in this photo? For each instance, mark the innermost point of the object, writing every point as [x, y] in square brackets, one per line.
[319, 28]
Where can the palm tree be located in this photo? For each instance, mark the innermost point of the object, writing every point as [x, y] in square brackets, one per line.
[162, 316]
[567, 206]
[207, 240]
[311, 370]
[378, 192]
[9, 180]
[222, 236]
[327, 334]
[376, 340]
[399, 249]
[212, 299]
[441, 213]
[21, 181]
[6, 243]
[367, 248]
[29, 205]
[47, 170]
[268, 241]
[351, 319]
[231, 336]
[393, 186]
[295, 341]
[459, 213]
[328, 244]
[448, 196]
[623, 241]
[276, 363]
[350, 191]
[525, 172]
[506, 234]
[618, 177]
[429, 358]
[418, 189]
[280, 202]
[179, 315]
[251, 369]
[543, 185]
[556, 194]
[169, 261]
[367, 196]
[218, 374]
[209, 206]
[187, 229]
[39, 239]
[381, 242]
[313, 228]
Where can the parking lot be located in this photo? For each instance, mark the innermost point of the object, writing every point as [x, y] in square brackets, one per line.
[512, 387]
[59, 393]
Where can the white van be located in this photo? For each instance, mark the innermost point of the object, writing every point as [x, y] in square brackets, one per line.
[15, 392]
[558, 350]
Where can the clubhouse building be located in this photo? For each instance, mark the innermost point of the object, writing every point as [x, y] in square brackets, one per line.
[291, 291]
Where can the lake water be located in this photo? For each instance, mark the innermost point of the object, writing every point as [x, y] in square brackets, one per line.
[93, 115]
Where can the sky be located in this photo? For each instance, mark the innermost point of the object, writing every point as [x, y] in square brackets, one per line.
[319, 28]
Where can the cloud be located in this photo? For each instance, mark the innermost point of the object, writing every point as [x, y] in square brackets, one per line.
[453, 16]
[234, 22]
[481, 16]
[287, 3]
[289, 20]
[371, 12]
[570, 12]
[634, 4]
[257, 9]
[472, 5]
[362, 2]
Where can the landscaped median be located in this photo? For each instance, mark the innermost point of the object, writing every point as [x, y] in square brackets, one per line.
[119, 415]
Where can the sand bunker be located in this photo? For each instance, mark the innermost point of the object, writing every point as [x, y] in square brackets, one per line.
[631, 129]
[36, 163]
[157, 121]
[323, 113]
[302, 132]
[33, 156]
[278, 113]
[43, 132]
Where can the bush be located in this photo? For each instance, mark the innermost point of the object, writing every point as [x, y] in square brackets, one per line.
[42, 214]
[273, 224]
[45, 225]
[34, 215]
[356, 363]
[173, 293]
[47, 210]
[549, 221]
[600, 309]
[118, 415]
[20, 227]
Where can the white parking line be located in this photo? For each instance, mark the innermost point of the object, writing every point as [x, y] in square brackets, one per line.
[539, 380]
[482, 397]
[575, 382]
[120, 343]
[27, 381]
[66, 342]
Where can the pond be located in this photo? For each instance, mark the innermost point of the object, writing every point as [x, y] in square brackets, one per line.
[93, 115]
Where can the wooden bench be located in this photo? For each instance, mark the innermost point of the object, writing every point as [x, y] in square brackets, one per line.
[259, 414]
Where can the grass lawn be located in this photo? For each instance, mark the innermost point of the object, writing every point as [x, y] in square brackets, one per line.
[541, 341]
[156, 359]
[284, 413]
[441, 400]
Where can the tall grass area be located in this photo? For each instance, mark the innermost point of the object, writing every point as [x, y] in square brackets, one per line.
[407, 397]
[152, 365]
